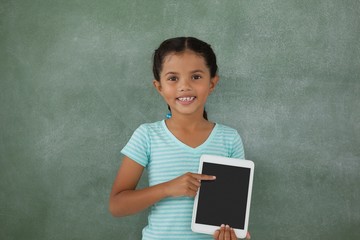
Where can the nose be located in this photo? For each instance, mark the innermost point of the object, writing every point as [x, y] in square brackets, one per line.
[184, 85]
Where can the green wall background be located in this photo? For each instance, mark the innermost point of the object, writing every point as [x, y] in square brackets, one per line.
[75, 82]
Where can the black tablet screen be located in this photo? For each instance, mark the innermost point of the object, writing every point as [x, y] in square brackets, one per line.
[223, 201]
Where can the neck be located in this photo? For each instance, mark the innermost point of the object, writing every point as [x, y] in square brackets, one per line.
[186, 122]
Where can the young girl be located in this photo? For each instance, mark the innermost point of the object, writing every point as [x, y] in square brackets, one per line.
[185, 72]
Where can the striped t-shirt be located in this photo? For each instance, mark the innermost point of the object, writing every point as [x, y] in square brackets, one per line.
[165, 157]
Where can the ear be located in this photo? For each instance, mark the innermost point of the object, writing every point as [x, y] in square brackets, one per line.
[213, 82]
[157, 85]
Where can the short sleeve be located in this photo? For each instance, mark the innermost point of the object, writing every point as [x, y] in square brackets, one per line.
[238, 147]
[138, 146]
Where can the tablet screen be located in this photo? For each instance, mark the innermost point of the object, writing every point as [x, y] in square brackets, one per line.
[223, 201]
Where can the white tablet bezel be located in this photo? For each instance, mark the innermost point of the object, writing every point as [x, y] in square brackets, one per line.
[210, 229]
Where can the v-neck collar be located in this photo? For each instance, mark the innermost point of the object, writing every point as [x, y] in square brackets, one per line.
[183, 145]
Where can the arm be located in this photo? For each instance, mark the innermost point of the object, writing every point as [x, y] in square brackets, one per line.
[126, 200]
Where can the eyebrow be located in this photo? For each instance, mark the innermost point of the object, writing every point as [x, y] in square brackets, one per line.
[171, 73]
[194, 71]
[197, 70]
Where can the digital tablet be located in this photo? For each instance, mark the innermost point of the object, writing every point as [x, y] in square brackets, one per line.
[225, 200]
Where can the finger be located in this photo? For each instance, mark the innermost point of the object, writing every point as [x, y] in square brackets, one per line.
[191, 190]
[194, 182]
[248, 235]
[191, 178]
[227, 232]
[193, 187]
[200, 177]
[233, 235]
[222, 232]
[216, 234]
[191, 193]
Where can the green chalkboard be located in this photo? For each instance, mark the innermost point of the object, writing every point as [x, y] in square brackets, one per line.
[76, 81]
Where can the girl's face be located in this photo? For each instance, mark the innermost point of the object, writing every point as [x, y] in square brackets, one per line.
[185, 83]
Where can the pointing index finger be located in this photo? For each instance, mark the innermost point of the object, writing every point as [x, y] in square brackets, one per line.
[204, 177]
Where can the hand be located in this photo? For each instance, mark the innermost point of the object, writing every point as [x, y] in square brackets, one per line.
[227, 233]
[186, 185]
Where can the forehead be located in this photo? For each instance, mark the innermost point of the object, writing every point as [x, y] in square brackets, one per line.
[184, 60]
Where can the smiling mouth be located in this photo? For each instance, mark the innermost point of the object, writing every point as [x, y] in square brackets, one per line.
[186, 99]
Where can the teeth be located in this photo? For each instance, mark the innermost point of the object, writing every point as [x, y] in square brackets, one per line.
[186, 99]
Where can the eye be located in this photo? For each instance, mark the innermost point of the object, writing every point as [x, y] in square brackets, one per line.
[172, 78]
[196, 77]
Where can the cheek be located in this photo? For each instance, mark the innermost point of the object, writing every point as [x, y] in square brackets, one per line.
[205, 91]
[167, 93]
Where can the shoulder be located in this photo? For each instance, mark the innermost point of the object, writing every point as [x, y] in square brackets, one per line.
[147, 130]
[226, 130]
[150, 127]
[139, 146]
[232, 141]
[228, 134]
